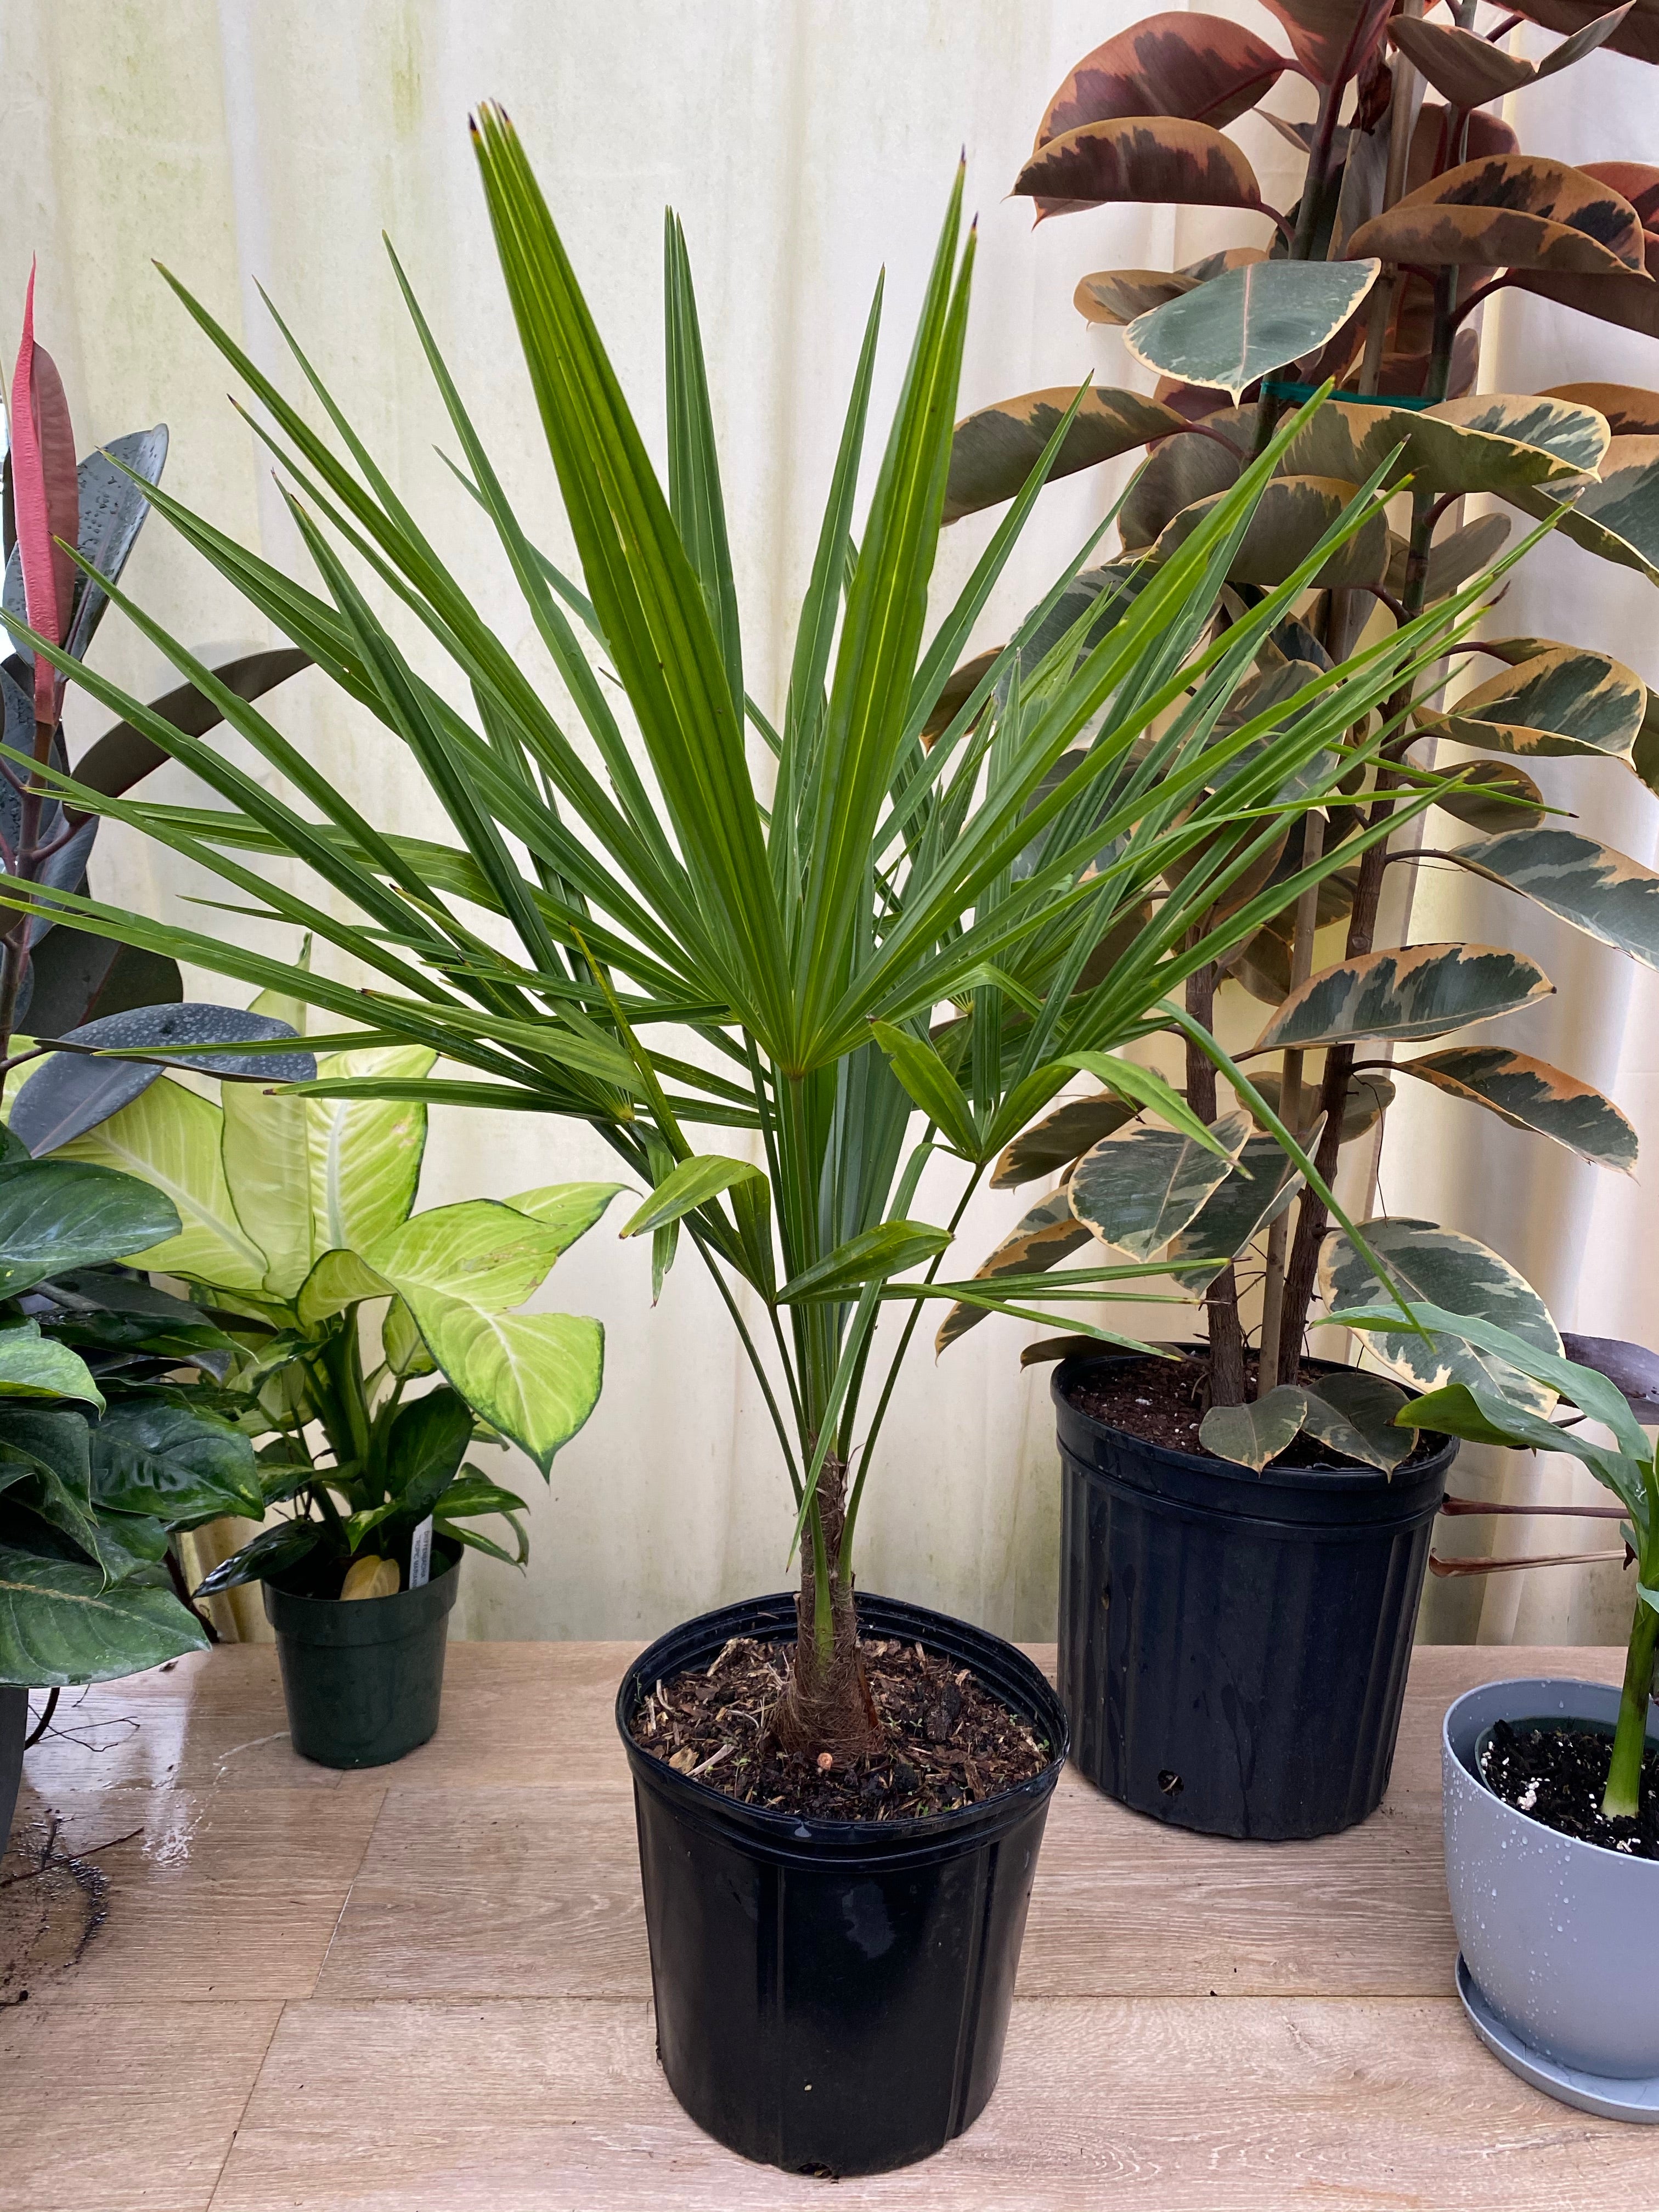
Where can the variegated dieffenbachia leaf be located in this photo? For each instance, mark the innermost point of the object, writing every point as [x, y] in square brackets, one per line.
[1442, 1267]
[1042, 1238]
[1561, 700]
[1138, 1188]
[1250, 321]
[1598, 890]
[1261, 1185]
[1421, 991]
[364, 1154]
[1529, 1094]
[1063, 1134]
[1252, 1434]
[994, 451]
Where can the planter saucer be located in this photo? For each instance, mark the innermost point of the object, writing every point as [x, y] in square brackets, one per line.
[1606, 2094]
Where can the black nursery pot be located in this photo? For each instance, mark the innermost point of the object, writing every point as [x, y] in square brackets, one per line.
[13, 1727]
[1233, 1646]
[832, 1996]
[363, 1679]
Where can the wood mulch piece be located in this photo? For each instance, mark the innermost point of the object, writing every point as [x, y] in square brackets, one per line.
[1164, 1401]
[950, 1742]
[1557, 1775]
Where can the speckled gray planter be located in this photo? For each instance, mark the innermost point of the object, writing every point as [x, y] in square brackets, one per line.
[1561, 1938]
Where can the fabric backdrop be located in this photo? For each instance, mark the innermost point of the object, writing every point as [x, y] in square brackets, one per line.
[805, 146]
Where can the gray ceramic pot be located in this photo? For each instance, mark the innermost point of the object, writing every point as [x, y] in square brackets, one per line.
[13, 1727]
[1560, 1938]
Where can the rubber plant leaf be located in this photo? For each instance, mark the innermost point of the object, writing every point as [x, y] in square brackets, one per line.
[1468, 70]
[1060, 1137]
[1607, 896]
[1290, 519]
[1141, 1187]
[1421, 992]
[1501, 443]
[1563, 700]
[46, 499]
[1510, 211]
[1252, 1434]
[1200, 67]
[1153, 158]
[1049, 1233]
[994, 450]
[1638, 35]
[1457, 1274]
[1529, 1094]
[1617, 516]
[1242, 326]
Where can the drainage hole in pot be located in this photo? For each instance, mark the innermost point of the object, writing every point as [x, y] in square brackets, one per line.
[1170, 1782]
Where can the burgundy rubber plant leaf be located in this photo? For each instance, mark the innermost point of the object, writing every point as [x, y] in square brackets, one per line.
[46, 498]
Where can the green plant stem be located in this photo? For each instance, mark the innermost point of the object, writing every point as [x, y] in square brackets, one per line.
[1622, 1797]
[753, 1350]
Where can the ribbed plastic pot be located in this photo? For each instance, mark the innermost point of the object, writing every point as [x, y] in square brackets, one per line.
[363, 1679]
[1233, 1646]
[13, 1727]
[1560, 1937]
[832, 1996]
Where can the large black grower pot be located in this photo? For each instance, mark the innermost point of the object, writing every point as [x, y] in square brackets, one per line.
[1233, 1646]
[13, 1727]
[832, 1996]
[363, 1677]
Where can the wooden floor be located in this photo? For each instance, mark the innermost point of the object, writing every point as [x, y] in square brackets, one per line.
[253, 1983]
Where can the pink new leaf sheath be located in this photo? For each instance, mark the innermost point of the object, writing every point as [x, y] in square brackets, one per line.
[46, 499]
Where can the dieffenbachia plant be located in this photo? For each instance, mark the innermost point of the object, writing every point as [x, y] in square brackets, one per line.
[298, 1212]
[1412, 212]
[798, 935]
[1501, 1388]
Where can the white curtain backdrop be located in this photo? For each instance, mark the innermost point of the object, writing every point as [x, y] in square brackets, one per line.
[806, 145]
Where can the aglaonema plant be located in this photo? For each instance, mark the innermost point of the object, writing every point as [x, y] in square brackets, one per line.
[1412, 212]
[1483, 1408]
[300, 1234]
[892, 903]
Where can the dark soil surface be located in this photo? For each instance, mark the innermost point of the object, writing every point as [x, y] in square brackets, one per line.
[950, 1742]
[1164, 1401]
[1557, 1775]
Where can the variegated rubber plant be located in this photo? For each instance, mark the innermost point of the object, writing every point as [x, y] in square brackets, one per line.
[1413, 211]
[798, 936]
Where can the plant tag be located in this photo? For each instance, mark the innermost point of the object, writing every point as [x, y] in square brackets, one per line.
[420, 1554]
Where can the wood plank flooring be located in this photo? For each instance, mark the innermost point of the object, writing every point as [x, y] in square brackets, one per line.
[254, 1984]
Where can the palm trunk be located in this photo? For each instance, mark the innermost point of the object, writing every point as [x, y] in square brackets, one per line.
[827, 1708]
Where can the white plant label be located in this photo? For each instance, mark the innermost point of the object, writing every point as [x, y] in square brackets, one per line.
[420, 1555]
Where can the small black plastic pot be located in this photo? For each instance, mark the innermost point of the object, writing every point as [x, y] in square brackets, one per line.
[363, 1679]
[1233, 1646]
[13, 1727]
[832, 1996]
